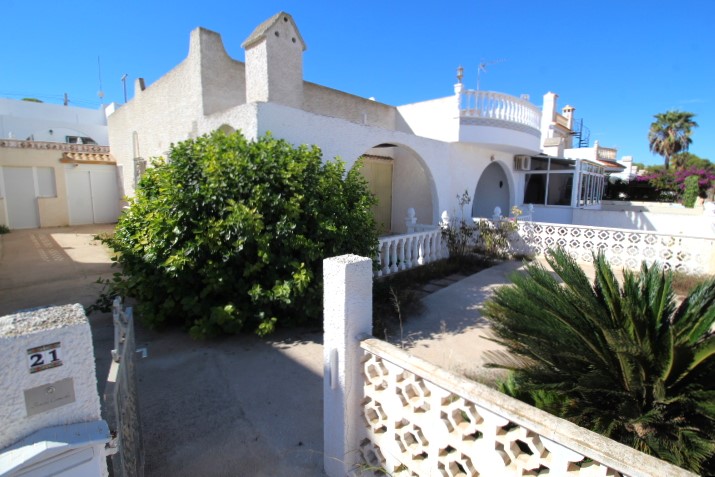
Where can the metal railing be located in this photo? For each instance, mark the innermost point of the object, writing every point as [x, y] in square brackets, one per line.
[121, 400]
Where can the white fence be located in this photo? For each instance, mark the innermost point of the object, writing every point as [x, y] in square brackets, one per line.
[623, 248]
[121, 400]
[402, 252]
[389, 413]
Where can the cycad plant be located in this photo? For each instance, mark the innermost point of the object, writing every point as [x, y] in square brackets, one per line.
[622, 359]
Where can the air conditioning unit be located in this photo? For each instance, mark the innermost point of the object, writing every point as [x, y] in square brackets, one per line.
[522, 163]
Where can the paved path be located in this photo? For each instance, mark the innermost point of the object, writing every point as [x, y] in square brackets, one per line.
[52, 266]
[450, 332]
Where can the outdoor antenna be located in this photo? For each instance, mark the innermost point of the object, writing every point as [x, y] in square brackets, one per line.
[483, 67]
[100, 93]
[124, 85]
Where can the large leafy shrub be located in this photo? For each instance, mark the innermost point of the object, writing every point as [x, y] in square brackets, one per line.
[228, 234]
[621, 359]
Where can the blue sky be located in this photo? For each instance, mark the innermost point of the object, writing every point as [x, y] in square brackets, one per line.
[617, 62]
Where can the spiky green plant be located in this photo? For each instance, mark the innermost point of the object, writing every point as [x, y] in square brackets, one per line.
[618, 358]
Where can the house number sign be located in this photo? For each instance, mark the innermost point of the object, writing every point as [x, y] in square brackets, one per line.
[44, 357]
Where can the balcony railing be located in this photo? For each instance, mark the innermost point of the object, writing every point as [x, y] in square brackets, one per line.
[607, 153]
[499, 106]
[57, 146]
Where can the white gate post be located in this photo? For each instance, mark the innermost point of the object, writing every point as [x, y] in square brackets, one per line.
[347, 307]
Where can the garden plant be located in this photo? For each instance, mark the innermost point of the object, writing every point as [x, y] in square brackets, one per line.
[228, 234]
[622, 359]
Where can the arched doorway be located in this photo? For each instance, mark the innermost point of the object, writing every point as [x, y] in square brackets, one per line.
[400, 180]
[492, 191]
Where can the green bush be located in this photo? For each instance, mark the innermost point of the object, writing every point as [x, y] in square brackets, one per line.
[692, 189]
[623, 359]
[229, 234]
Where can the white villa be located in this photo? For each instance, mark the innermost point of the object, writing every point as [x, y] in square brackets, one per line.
[55, 167]
[502, 149]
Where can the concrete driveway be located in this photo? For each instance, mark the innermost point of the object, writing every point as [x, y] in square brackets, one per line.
[240, 406]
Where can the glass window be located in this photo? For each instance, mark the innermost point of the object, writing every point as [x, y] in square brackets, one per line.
[562, 164]
[559, 189]
[535, 188]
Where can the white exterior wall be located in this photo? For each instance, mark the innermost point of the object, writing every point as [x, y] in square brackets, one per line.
[347, 140]
[553, 214]
[164, 113]
[68, 326]
[500, 138]
[436, 119]
[22, 119]
[428, 173]
[671, 223]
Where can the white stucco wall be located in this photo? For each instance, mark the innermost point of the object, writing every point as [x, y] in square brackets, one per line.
[553, 215]
[436, 119]
[68, 326]
[22, 119]
[223, 79]
[274, 65]
[347, 140]
[672, 223]
[165, 112]
[492, 134]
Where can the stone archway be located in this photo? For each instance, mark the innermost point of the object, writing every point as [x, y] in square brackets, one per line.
[492, 191]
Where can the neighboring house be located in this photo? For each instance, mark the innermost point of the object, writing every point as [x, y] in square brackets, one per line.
[420, 155]
[55, 168]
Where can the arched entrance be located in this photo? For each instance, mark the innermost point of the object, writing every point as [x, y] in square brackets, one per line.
[492, 191]
[400, 180]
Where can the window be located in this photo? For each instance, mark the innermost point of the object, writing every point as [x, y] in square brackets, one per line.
[551, 182]
[79, 140]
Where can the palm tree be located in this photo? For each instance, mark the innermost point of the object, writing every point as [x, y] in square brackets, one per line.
[622, 360]
[670, 133]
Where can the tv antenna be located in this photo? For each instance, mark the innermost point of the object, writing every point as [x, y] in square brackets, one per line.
[483, 67]
[100, 93]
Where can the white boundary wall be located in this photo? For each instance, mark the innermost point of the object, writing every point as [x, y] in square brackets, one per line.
[385, 409]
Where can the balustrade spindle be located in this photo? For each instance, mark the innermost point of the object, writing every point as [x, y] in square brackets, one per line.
[401, 254]
[393, 257]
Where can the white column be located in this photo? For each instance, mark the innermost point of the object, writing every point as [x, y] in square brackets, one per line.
[347, 310]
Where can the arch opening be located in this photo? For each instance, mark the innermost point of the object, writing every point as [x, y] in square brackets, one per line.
[400, 180]
[492, 191]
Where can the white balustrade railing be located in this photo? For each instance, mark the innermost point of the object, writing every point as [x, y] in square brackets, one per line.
[58, 146]
[492, 105]
[421, 420]
[402, 252]
[622, 247]
[607, 153]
